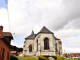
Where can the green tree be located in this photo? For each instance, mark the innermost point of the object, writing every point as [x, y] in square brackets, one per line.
[66, 55]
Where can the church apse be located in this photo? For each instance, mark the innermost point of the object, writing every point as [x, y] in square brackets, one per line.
[43, 43]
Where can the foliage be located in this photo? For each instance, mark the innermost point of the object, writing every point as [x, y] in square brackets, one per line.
[27, 58]
[45, 57]
[66, 54]
[59, 58]
[14, 48]
[13, 58]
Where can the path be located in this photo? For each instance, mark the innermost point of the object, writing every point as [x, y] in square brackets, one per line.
[35, 56]
[20, 59]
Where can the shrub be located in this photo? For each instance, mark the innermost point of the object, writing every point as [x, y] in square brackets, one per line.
[59, 58]
[41, 57]
[46, 57]
[13, 58]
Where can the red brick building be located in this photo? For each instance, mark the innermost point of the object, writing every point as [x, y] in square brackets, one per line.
[72, 55]
[5, 47]
[75, 55]
[14, 53]
[20, 53]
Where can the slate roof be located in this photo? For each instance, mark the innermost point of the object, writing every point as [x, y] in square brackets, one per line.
[45, 30]
[32, 36]
[56, 38]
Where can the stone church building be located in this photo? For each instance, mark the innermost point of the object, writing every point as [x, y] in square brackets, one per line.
[42, 43]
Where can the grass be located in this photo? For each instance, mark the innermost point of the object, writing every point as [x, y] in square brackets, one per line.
[32, 58]
[71, 59]
[27, 58]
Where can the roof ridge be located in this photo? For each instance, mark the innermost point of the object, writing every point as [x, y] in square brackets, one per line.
[45, 30]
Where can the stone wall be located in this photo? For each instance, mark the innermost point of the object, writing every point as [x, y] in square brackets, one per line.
[40, 37]
[27, 43]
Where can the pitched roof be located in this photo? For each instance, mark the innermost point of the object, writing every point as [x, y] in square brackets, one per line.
[75, 54]
[20, 52]
[45, 30]
[56, 38]
[64, 55]
[13, 51]
[8, 34]
[32, 36]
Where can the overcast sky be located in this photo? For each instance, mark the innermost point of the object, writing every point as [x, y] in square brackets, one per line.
[62, 17]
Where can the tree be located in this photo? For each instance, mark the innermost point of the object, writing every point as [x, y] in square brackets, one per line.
[66, 55]
[14, 48]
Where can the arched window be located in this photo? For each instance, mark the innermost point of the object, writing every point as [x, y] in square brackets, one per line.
[59, 52]
[37, 45]
[56, 47]
[30, 48]
[46, 43]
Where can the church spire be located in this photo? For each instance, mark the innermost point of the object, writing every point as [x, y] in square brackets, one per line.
[32, 32]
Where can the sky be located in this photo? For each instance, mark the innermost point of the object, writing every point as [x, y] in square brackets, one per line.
[62, 17]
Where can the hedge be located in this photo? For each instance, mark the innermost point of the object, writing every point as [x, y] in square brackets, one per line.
[46, 57]
[13, 58]
[59, 58]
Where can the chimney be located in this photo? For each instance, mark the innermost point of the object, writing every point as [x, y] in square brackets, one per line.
[1, 29]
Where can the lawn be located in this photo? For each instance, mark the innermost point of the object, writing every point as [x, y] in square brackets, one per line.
[71, 59]
[32, 58]
[28, 58]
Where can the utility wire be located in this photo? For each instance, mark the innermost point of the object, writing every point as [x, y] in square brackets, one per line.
[7, 13]
[8, 17]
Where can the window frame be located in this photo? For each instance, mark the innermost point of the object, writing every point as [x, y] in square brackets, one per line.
[46, 44]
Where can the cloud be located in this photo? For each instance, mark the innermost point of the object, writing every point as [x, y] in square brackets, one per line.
[60, 16]
[73, 24]
[14, 44]
[71, 50]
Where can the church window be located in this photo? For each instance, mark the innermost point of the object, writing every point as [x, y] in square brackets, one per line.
[30, 48]
[37, 45]
[59, 52]
[56, 48]
[46, 43]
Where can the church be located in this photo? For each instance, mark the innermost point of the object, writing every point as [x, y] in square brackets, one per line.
[42, 43]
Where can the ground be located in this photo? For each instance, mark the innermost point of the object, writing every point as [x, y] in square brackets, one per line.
[32, 58]
[71, 59]
[20, 59]
[27, 58]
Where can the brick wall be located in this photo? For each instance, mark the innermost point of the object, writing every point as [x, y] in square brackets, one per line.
[4, 51]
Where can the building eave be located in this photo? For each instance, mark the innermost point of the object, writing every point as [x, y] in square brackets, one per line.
[5, 41]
